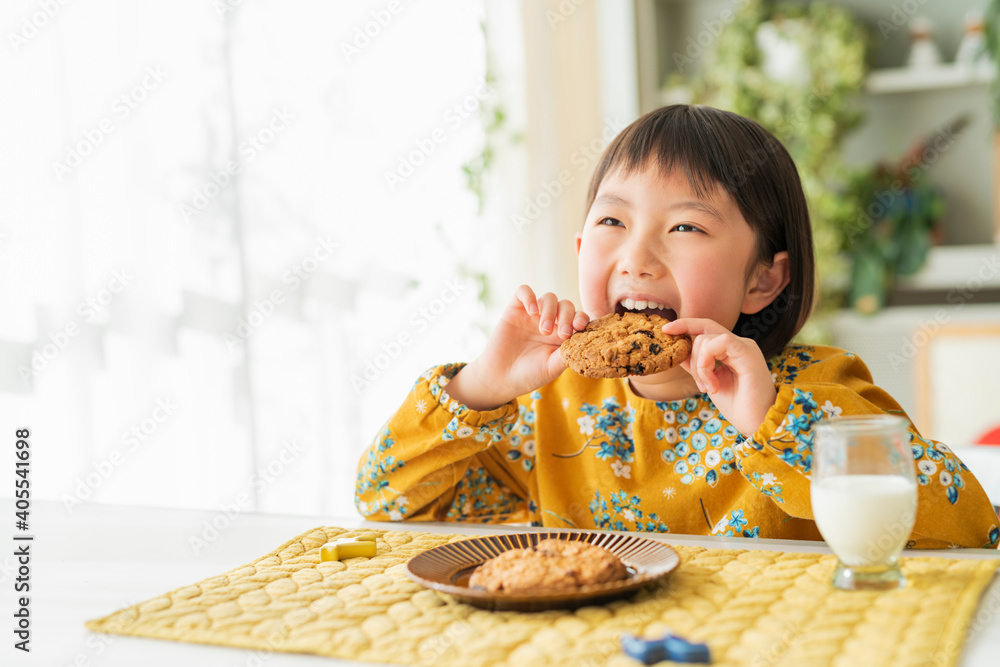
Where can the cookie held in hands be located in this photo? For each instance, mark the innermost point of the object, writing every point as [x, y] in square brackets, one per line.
[616, 346]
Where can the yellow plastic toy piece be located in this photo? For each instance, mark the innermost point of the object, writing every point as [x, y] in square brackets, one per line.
[348, 547]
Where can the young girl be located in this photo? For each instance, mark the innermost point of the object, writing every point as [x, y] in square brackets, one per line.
[698, 215]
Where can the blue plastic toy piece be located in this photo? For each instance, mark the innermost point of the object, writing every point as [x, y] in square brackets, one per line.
[670, 647]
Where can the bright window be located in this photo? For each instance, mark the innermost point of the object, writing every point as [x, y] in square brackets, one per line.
[233, 235]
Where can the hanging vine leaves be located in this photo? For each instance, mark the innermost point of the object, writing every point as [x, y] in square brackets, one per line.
[810, 118]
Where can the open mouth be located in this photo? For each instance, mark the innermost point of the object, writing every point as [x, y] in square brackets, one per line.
[646, 307]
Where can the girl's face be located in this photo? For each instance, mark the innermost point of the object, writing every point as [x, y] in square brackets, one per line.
[651, 243]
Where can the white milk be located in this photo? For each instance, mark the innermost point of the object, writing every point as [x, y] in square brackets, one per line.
[866, 519]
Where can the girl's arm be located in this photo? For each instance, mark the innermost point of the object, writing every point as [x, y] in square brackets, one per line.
[815, 383]
[436, 460]
[437, 457]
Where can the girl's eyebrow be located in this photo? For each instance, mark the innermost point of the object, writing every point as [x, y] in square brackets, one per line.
[613, 200]
[702, 206]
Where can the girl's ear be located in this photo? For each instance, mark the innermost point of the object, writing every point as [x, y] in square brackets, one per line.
[767, 284]
[579, 239]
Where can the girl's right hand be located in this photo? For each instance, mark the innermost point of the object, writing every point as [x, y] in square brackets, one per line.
[522, 354]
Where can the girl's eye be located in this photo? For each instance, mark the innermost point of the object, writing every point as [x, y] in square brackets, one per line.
[684, 227]
[610, 222]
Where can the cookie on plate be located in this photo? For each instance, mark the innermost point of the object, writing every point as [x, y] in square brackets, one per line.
[551, 564]
[616, 346]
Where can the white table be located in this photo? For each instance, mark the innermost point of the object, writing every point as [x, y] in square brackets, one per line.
[82, 569]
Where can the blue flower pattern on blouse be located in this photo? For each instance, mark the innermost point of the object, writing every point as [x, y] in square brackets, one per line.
[474, 497]
[796, 432]
[608, 513]
[698, 446]
[611, 425]
[378, 464]
[701, 448]
[936, 465]
[737, 526]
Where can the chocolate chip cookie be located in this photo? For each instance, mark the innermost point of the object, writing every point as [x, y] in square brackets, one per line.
[550, 564]
[616, 346]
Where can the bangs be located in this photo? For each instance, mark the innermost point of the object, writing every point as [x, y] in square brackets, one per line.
[669, 142]
[710, 147]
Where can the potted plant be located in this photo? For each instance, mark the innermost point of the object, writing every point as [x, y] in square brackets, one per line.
[992, 43]
[890, 228]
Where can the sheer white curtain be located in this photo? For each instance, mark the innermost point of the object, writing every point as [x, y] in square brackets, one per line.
[232, 235]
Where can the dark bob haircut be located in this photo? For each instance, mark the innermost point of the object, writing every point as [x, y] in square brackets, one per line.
[720, 149]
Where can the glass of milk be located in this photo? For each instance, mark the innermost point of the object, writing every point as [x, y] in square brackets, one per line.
[864, 497]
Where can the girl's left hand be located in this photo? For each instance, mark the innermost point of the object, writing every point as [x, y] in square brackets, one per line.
[730, 369]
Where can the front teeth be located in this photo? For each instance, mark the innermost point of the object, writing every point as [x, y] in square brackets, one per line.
[629, 304]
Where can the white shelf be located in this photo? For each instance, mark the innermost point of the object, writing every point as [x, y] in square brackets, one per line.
[913, 79]
[892, 80]
[960, 266]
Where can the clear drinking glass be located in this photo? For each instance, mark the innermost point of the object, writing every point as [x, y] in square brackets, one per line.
[864, 497]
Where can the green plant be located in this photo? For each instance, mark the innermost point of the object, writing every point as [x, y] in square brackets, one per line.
[811, 120]
[890, 231]
[475, 169]
[496, 133]
[992, 21]
[896, 242]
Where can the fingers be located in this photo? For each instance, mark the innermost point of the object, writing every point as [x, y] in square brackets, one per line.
[526, 296]
[728, 349]
[568, 318]
[548, 311]
[698, 365]
[554, 315]
[693, 326]
[702, 361]
[705, 355]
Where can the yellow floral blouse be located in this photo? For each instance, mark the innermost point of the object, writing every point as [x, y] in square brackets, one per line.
[585, 453]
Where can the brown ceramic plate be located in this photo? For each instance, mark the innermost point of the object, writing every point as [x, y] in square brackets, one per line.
[447, 569]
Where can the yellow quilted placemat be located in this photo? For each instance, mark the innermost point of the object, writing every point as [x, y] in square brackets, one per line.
[751, 607]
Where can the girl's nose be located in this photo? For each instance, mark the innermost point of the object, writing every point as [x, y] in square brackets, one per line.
[642, 258]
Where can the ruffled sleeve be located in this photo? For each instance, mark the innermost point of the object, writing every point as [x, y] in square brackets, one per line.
[815, 383]
[435, 460]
